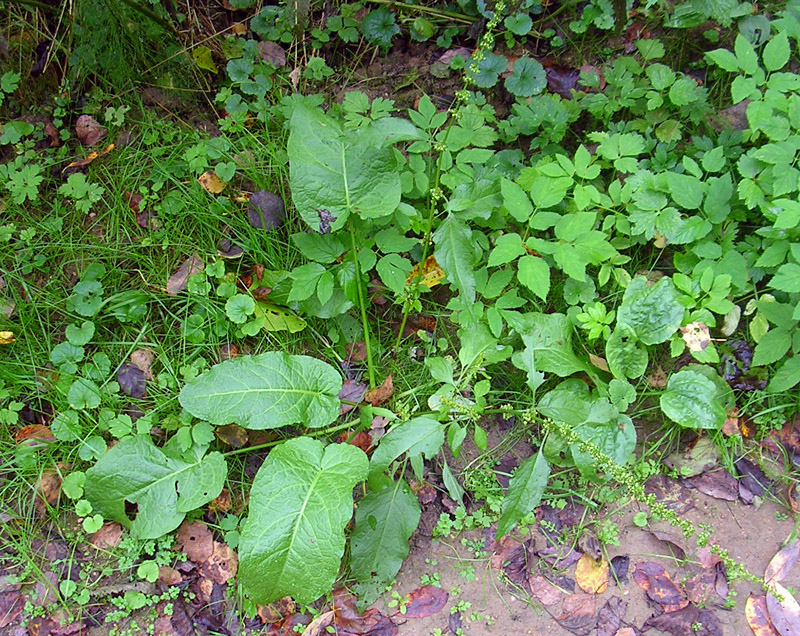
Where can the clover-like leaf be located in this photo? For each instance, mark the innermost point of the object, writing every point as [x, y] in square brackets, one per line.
[300, 502]
[269, 390]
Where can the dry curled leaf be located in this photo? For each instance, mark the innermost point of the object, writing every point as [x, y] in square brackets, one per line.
[6, 337]
[221, 566]
[380, 395]
[658, 585]
[143, 360]
[74, 166]
[178, 281]
[210, 182]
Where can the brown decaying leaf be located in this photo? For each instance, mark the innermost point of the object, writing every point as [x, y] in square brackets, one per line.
[75, 166]
[34, 435]
[718, 483]
[780, 565]
[731, 425]
[428, 274]
[266, 210]
[88, 130]
[670, 492]
[514, 558]
[108, 536]
[425, 600]
[272, 53]
[169, 576]
[221, 566]
[544, 591]
[578, 614]
[619, 568]
[755, 610]
[232, 434]
[784, 613]
[700, 586]
[592, 575]
[352, 391]
[210, 182]
[658, 585]
[382, 394]
[356, 351]
[143, 360]
[599, 362]
[222, 503]
[276, 611]
[610, 616]
[11, 605]
[132, 381]
[361, 439]
[319, 624]
[657, 379]
[177, 282]
[349, 620]
[683, 622]
[626, 631]
[48, 488]
[696, 336]
[228, 249]
[195, 540]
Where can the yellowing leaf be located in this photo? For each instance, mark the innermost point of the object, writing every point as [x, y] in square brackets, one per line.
[432, 274]
[696, 336]
[202, 57]
[80, 163]
[278, 318]
[6, 337]
[211, 182]
[591, 575]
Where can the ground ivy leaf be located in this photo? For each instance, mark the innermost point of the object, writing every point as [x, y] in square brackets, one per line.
[455, 253]
[691, 401]
[527, 78]
[164, 484]
[525, 490]
[385, 520]
[534, 273]
[82, 335]
[269, 390]
[83, 394]
[300, 502]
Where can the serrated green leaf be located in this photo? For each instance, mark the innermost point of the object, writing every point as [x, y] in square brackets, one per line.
[268, 390]
[300, 502]
[379, 26]
[419, 436]
[385, 520]
[506, 249]
[786, 377]
[771, 347]
[239, 308]
[164, 485]
[516, 201]
[625, 357]
[725, 59]
[82, 335]
[525, 490]
[455, 252]
[534, 273]
[548, 339]
[776, 52]
[787, 278]
[653, 311]
[691, 400]
[83, 394]
[745, 55]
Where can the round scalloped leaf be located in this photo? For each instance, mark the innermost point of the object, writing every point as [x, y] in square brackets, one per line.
[527, 78]
[269, 390]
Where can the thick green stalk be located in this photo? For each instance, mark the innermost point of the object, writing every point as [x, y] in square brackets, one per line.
[363, 304]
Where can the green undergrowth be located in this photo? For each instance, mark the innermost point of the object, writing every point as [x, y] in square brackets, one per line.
[577, 266]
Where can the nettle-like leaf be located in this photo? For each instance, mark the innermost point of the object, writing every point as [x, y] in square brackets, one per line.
[653, 311]
[421, 435]
[300, 502]
[385, 520]
[336, 172]
[692, 400]
[525, 490]
[268, 390]
[164, 483]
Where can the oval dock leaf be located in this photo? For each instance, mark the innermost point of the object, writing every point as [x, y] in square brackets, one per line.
[163, 483]
[268, 390]
[300, 502]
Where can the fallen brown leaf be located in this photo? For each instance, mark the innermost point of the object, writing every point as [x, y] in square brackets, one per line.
[196, 541]
[143, 360]
[696, 336]
[177, 282]
[169, 576]
[108, 536]
[658, 585]
[380, 395]
[685, 622]
[34, 435]
[657, 379]
[356, 351]
[74, 166]
[88, 130]
[319, 624]
[544, 591]
[232, 434]
[221, 566]
[610, 616]
[352, 393]
[755, 610]
[784, 613]
[276, 611]
[780, 565]
[428, 274]
[272, 53]
[424, 601]
[578, 614]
